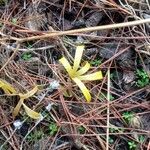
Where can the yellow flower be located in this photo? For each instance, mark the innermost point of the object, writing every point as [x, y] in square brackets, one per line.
[29, 111]
[77, 75]
[9, 89]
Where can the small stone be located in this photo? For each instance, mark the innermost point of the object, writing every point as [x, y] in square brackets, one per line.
[54, 85]
[49, 106]
[17, 124]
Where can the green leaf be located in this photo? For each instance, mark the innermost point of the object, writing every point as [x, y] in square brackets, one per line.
[96, 62]
[14, 20]
[81, 130]
[26, 56]
[128, 116]
[53, 128]
[132, 145]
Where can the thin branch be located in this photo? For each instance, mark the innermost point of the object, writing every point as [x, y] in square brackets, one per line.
[108, 109]
[76, 31]
[89, 29]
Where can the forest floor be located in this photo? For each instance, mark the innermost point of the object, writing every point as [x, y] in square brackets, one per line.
[74, 74]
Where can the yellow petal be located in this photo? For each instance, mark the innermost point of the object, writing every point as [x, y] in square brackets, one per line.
[78, 56]
[67, 66]
[8, 88]
[1, 84]
[22, 97]
[83, 88]
[31, 113]
[6, 91]
[17, 108]
[93, 76]
[84, 69]
[28, 94]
